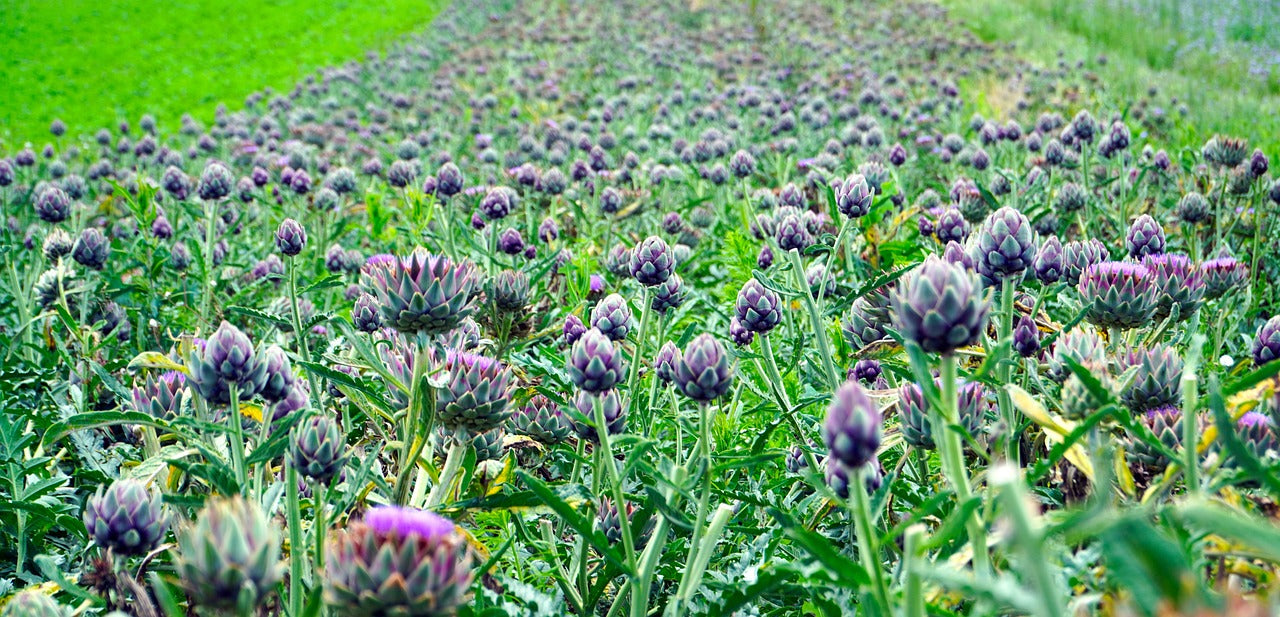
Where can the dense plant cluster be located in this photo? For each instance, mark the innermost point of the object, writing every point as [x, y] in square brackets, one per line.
[644, 310]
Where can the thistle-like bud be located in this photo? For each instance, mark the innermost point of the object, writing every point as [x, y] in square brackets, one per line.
[940, 306]
[1156, 382]
[215, 182]
[226, 359]
[291, 238]
[318, 448]
[652, 262]
[612, 317]
[498, 203]
[57, 245]
[1049, 265]
[1266, 343]
[474, 395]
[52, 204]
[615, 415]
[594, 365]
[1145, 237]
[1117, 294]
[609, 522]
[1083, 346]
[951, 226]
[742, 164]
[510, 241]
[1178, 282]
[509, 290]
[573, 329]
[739, 334]
[867, 371]
[1006, 245]
[366, 315]
[398, 561]
[758, 308]
[91, 249]
[792, 234]
[668, 295]
[161, 397]
[840, 477]
[1222, 274]
[854, 196]
[542, 420]
[422, 292]
[664, 364]
[126, 518]
[1026, 337]
[279, 375]
[852, 428]
[1193, 208]
[33, 602]
[231, 549]
[1166, 424]
[1077, 256]
[703, 371]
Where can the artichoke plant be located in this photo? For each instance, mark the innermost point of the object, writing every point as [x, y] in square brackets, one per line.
[226, 359]
[1156, 381]
[703, 372]
[318, 448]
[759, 308]
[126, 517]
[1178, 282]
[940, 306]
[542, 420]
[594, 365]
[421, 293]
[33, 603]
[231, 550]
[474, 395]
[1118, 294]
[852, 427]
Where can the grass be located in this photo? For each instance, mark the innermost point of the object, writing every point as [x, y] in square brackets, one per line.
[92, 63]
[1147, 43]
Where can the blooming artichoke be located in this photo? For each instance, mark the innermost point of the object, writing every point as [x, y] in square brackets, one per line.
[1178, 282]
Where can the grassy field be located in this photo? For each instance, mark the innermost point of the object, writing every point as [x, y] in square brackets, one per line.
[92, 63]
[1220, 58]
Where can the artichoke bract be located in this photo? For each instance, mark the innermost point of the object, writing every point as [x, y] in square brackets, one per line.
[161, 397]
[1048, 265]
[1178, 282]
[594, 365]
[280, 378]
[863, 325]
[421, 293]
[542, 420]
[1006, 245]
[612, 317]
[126, 518]
[227, 358]
[231, 548]
[1266, 343]
[758, 308]
[940, 306]
[1222, 274]
[318, 448]
[1077, 256]
[509, 290]
[1026, 337]
[33, 603]
[913, 412]
[668, 295]
[852, 427]
[652, 261]
[703, 371]
[1117, 294]
[475, 394]
[1145, 237]
[398, 561]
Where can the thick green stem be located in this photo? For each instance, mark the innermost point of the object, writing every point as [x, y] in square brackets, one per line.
[704, 498]
[321, 524]
[452, 463]
[1007, 411]
[236, 439]
[615, 478]
[410, 445]
[1028, 539]
[788, 413]
[1190, 399]
[639, 353]
[815, 318]
[301, 337]
[951, 449]
[296, 550]
[868, 549]
[913, 585]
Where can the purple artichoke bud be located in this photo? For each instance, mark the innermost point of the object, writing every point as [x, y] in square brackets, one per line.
[161, 398]
[487, 445]
[260, 177]
[917, 429]
[765, 260]
[1266, 343]
[759, 309]
[1078, 256]
[179, 256]
[664, 364]
[57, 245]
[940, 306]
[215, 182]
[1070, 198]
[840, 477]
[1006, 245]
[612, 317]
[956, 254]
[672, 223]
[53, 205]
[1258, 434]
[792, 234]
[531, 252]
[509, 290]
[1225, 151]
[797, 462]
[91, 249]
[296, 399]
[610, 200]
[232, 549]
[542, 420]
[1193, 208]
[951, 226]
[33, 602]
[477, 222]
[300, 182]
[863, 324]
[739, 334]
[1166, 424]
[1258, 164]
[703, 372]
[668, 295]
[820, 285]
[175, 183]
[609, 522]
[398, 561]
[291, 238]
[742, 164]
[7, 175]
[474, 396]
[925, 226]
[548, 231]
[318, 448]
[1156, 382]
[1222, 274]
[652, 261]
[854, 197]
[1026, 337]
[449, 181]
[126, 518]
[510, 241]
[1177, 282]
[279, 378]
[335, 259]
[1117, 294]
[594, 365]
[1048, 265]
[852, 428]
[422, 292]
[615, 415]
[498, 203]
[867, 371]
[1145, 237]
[573, 329]
[161, 228]
[226, 359]
[792, 196]
[342, 180]
[618, 261]
[1273, 193]
[402, 173]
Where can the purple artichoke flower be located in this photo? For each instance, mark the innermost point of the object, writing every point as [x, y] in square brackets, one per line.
[291, 238]
[279, 375]
[449, 180]
[509, 290]
[126, 518]
[1078, 256]
[422, 292]
[854, 197]
[573, 329]
[1166, 424]
[1070, 198]
[398, 561]
[91, 249]
[792, 234]
[542, 420]
[52, 204]
[615, 415]
[317, 448]
[940, 306]
[231, 551]
[664, 364]
[163, 397]
[510, 241]
[765, 260]
[498, 203]
[917, 428]
[1178, 282]
[739, 334]
[1266, 343]
[612, 317]
[548, 230]
[215, 182]
[1048, 265]
[1026, 337]
[759, 309]
[867, 371]
[474, 395]
[1118, 294]
[652, 262]
[366, 315]
[1222, 274]
[840, 477]
[1006, 245]
[703, 371]
[1145, 237]
[852, 428]
[593, 364]
[951, 226]
[742, 164]
[226, 359]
